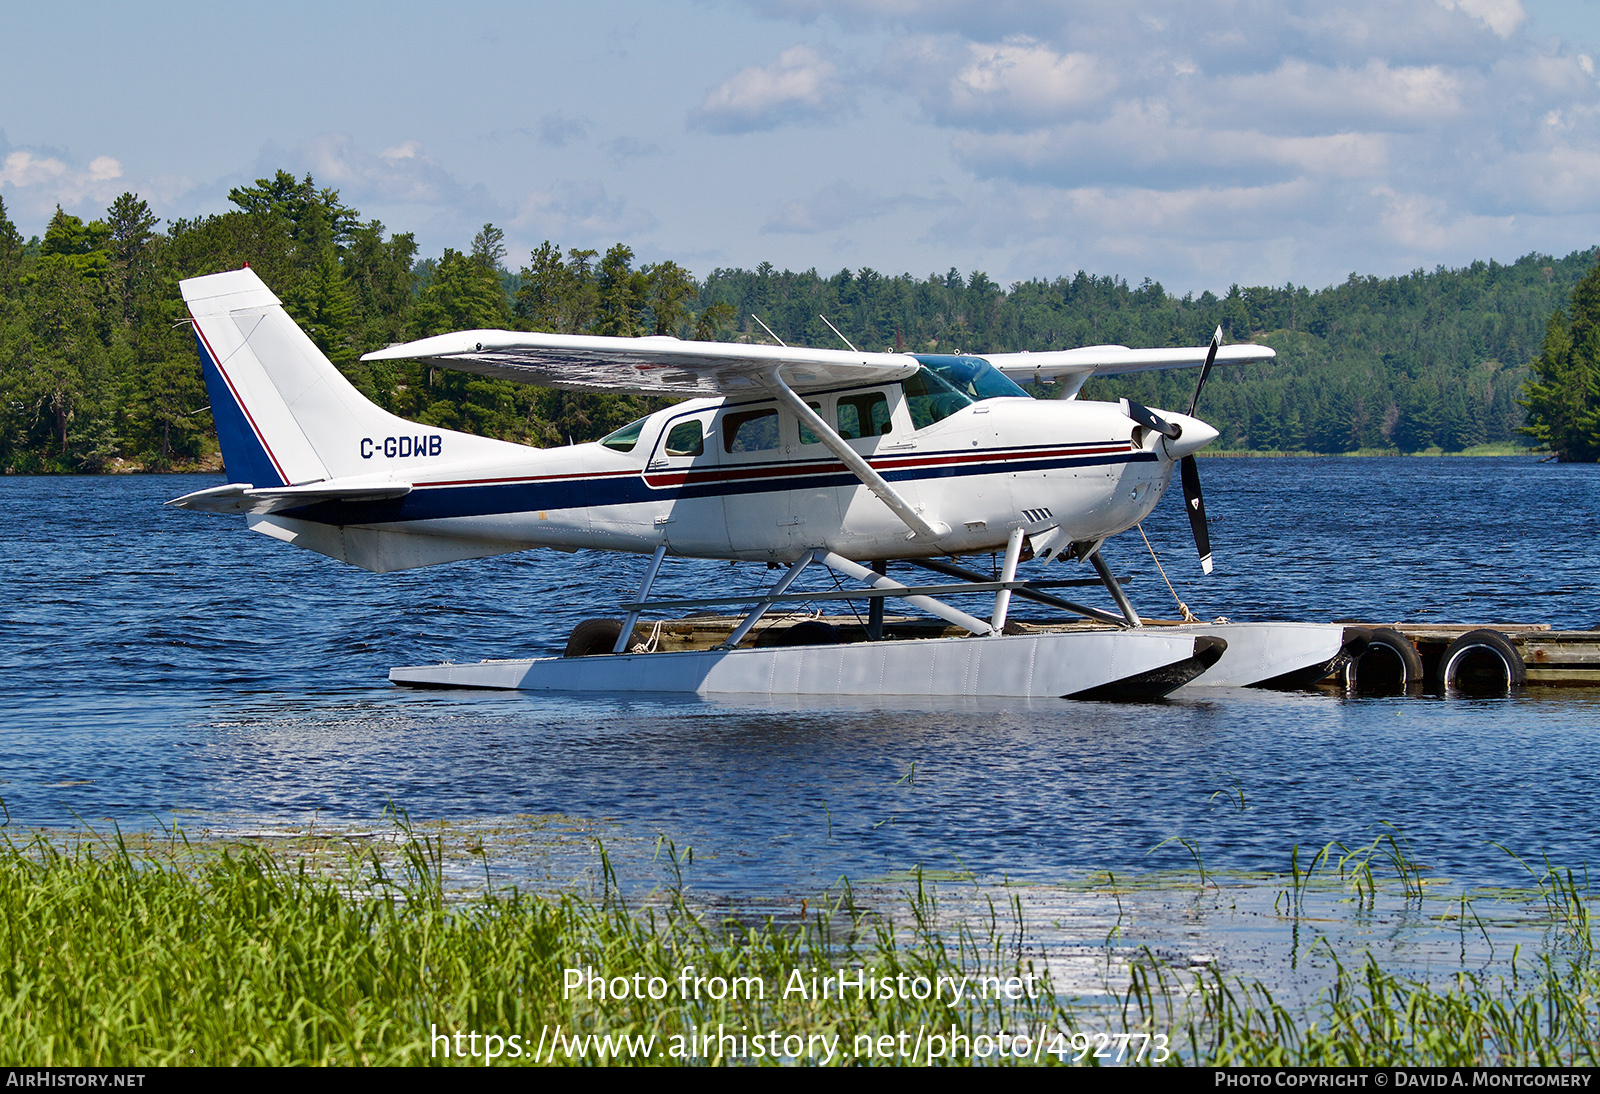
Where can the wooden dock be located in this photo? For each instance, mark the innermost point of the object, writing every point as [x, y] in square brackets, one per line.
[1550, 658]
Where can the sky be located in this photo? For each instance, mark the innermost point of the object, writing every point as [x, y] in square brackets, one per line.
[1199, 144]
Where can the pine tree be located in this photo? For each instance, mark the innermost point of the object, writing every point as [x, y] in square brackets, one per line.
[1564, 402]
[10, 253]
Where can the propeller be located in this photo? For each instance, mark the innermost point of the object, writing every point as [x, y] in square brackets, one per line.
[1193, 501]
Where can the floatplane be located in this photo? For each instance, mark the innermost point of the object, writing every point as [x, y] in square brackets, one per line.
[795, 457]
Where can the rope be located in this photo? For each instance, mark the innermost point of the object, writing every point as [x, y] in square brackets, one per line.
[649, 646]
[1183, 609]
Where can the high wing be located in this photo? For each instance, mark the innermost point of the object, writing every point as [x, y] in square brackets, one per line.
[663, 365]
[1071, 367]
[659, 365]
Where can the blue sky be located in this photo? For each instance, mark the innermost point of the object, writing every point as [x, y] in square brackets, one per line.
[1199, 144]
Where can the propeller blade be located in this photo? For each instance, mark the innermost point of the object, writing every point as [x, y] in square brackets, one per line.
[1151, 420]
[1196, 504]
[1205, 370]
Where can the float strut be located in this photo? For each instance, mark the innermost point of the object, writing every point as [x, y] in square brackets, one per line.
[1008, 572]
[782, 584]
[875, 609]
[1117, 594]
[650, 572]
[894, 588]
[940, 567]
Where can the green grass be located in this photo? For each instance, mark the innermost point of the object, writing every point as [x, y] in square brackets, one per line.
[113, 954]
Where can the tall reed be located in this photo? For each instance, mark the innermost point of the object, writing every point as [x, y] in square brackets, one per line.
[217, 954]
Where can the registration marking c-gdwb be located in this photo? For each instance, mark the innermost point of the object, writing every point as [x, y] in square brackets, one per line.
[428, 444]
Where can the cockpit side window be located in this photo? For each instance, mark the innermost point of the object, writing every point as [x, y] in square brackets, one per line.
[686, 439]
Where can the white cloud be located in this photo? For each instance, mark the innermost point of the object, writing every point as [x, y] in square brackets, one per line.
[1301, 96]
[404, 181]
[1408, 128]
[1501, 16]
[1562, 178]
[35, 183]
[402, 174]
[407, 150]
[800, 86]
[1097, 216]
[1143, 145]
[1425, 224]
[1024, 79]
[1559, 75]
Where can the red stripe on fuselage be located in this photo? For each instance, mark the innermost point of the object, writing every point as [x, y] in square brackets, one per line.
[524, 478]
[702, 476]
[794, 469]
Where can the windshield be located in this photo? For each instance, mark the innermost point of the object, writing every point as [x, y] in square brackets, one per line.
[944, 384]
[972, 376]
[931, 398]
[625, 438]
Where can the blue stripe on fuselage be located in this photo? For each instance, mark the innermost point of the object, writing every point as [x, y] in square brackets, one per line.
[438, 503]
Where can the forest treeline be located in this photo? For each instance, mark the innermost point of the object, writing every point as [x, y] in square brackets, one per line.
[98, 368]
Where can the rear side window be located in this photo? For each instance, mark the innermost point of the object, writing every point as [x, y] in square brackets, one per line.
[806, 436]
[863, 415]
[750, 431]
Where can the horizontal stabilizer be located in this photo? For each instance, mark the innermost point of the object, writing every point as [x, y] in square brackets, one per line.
[241, 497]
[658, 365]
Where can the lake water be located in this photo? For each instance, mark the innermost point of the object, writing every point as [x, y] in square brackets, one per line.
[160, 665]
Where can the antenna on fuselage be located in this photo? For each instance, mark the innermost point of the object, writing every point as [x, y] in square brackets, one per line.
[768, 329]
[835, 330]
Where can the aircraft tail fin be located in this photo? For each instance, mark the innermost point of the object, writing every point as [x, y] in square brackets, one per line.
[285, 416]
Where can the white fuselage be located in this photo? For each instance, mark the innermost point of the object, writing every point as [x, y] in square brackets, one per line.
[745, 480]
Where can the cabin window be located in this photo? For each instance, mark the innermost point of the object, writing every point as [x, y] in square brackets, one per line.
[686, 439]
[625, 438]
[931, 398]
[863, 415]
[806, 436]
[750, 431]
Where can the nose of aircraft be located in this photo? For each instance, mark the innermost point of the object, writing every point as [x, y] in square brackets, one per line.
[1195, 436]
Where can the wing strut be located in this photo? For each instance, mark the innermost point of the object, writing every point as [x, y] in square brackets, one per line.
[853, 460]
